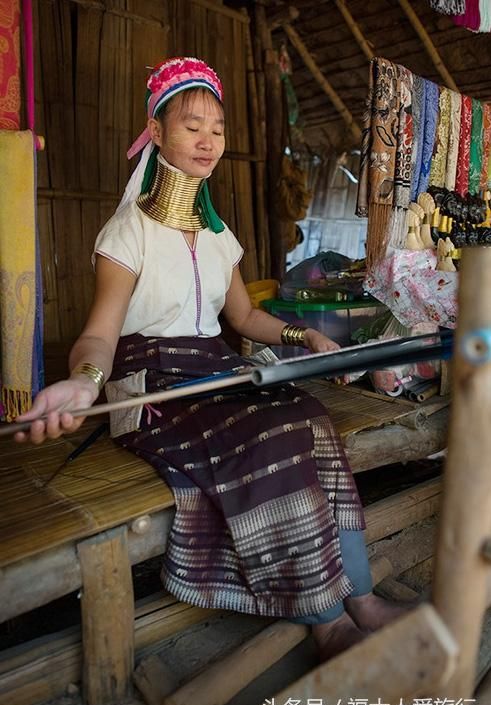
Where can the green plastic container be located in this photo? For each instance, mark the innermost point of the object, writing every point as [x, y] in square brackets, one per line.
[336, 320]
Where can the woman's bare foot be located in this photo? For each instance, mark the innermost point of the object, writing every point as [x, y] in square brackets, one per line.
[370, 612]
[335, 637]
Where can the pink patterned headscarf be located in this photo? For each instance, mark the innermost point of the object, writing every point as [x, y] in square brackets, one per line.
[169, 78]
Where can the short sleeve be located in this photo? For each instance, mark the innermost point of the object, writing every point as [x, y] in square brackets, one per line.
[121, 241]
[236, 251]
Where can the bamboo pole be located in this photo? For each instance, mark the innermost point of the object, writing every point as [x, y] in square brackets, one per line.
[355, 29]
[428, 44]
[465, 521]
[142, 399]
[322, 81]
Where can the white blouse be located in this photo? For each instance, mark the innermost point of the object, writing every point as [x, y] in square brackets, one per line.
[179, 290]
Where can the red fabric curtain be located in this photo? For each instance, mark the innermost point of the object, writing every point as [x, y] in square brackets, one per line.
[9, 64]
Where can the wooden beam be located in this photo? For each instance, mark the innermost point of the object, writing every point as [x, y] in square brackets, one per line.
[323, 82]
[378, 446]
[282, 15]
[409, 657]
[223, 10]
[40, 670]
[465, 520]
[401, 510]
[428, 44]
[107, 607]
[355, 29]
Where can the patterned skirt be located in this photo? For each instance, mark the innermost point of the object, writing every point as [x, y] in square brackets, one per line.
[260, 480]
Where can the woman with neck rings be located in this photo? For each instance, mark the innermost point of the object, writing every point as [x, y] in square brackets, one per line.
[268, 519]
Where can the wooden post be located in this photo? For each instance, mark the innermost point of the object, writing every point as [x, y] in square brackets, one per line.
[428, 45]
[107, 607]
[274, 138]
[323, 82]
[461, 570]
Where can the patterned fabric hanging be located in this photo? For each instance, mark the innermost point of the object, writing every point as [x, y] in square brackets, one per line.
[439, 161]
[378, 152]
[448, 7]
[432, 95]
[453, 140]
[486, 146]
[463, 161]
[419, 89]
[9, 65]
[471, 18]
[475, 160]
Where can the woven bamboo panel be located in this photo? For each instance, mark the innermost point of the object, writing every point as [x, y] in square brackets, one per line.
[353, 409]
[92, 65]
[104, 487]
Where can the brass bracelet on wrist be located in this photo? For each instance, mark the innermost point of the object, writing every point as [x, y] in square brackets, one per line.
[293, 335]
[92, 372]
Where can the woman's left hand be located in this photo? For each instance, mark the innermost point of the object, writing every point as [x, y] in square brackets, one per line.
[316, 342]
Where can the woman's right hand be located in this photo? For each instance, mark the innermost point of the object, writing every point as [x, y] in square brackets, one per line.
[56, 402]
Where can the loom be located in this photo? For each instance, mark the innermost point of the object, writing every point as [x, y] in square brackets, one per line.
[331, 364]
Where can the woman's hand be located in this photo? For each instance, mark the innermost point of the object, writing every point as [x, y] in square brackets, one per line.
[317, 343]
[56, 402]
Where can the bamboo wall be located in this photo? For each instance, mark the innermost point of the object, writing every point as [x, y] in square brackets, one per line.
[90, 84]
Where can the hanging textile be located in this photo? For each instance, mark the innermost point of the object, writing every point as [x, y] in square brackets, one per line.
[453, 140]
[448, 7]
[379, 145]
[432, 95]
[419, 89]
[471, 18]
[475, 159]
[485, 13]
[9, 65]
[463, 161]
[439, 162]
[403, 160]
[17, 268]
[21, 306]
[486, 145]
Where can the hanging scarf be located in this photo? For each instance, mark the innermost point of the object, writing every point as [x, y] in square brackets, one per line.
[439, 160]
[448, 7]
[471, 18]
[18, 268]
[485, 16]
[486, 145]
[476, 147]
[463, 161]
[432, 95]
[419, 88]
[403, 163]
[384, 130]
[366, 141]
[9, 65]
[402, 173]
[453, 140]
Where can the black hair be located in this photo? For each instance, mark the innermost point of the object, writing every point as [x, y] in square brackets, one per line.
[183, 99]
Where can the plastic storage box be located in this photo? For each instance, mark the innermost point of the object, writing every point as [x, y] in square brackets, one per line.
[336, 320]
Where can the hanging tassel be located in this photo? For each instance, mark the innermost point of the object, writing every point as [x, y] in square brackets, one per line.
[379, 216]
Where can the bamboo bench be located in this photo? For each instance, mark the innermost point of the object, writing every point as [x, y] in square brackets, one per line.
[109, 510]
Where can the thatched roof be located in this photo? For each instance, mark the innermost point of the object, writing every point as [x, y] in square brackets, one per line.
[386, 28]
